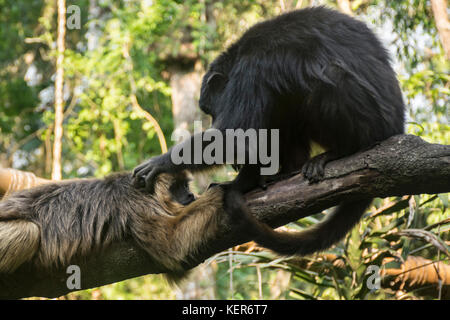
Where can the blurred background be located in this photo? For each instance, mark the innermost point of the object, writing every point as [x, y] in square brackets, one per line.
[101, 86]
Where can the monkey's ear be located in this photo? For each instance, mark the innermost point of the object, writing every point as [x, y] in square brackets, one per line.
[216, 80]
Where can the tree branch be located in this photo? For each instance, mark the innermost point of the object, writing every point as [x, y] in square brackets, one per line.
[401, 165]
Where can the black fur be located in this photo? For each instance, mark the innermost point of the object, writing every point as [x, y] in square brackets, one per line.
[315, 74]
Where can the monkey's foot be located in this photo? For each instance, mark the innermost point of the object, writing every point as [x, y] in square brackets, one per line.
[314, 168]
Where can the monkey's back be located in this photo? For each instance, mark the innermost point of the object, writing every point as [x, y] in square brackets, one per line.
[75, 217]
[313, 73]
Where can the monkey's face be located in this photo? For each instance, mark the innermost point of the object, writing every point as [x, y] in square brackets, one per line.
[180, 192]
[177, 186]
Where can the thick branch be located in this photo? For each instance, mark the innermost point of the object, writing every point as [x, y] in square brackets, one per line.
[401, 165]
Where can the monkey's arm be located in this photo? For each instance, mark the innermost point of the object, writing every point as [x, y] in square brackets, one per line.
[401, 165]
[178, 158]
[189, 155]
[193, 231]
[174, 241]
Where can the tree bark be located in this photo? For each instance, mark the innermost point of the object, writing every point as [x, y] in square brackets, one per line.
[439, 8]
[401, 165]
[185, 84]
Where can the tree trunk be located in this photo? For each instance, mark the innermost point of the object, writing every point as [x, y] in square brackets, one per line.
[344, 6]
[442, 23]
[185, 85]
[59, 94]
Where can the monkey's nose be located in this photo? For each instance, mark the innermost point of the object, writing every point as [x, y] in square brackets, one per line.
[187, 199]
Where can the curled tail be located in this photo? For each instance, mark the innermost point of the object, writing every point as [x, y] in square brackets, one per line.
[19, 238]
[316, 238]
[319, 237]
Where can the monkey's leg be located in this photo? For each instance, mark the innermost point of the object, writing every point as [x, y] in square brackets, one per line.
[314, 168]
[292, 159]
[249, 178]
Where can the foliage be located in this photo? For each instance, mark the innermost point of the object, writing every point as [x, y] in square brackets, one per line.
[128, 47]
[421, 64]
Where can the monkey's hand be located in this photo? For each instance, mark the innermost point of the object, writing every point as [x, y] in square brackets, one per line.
[144, 175]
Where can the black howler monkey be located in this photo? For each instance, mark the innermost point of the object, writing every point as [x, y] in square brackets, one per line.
[316, 75]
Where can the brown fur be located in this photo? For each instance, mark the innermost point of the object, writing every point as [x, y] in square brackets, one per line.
[50, 225]
[19, 242]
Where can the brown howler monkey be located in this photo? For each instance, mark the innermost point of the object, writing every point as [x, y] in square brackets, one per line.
[315, 74]
[49, 225]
